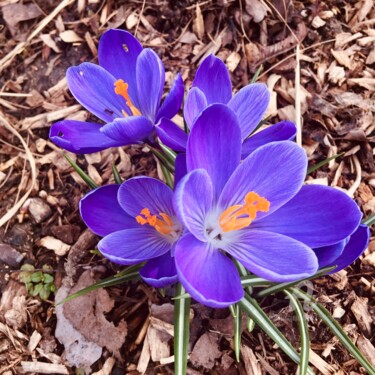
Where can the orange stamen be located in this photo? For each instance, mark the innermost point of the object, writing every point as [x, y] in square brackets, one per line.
[121, 88]
[163, 226]
[240, 216]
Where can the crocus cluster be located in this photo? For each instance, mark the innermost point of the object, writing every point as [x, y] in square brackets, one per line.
[239, 194]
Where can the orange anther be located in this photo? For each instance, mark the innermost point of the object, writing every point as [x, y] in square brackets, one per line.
[164, 225]
[121, 88]
[240, 216]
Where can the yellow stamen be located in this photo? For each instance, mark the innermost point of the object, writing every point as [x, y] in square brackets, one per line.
[240, 216]
[121, 88]
[163, 226]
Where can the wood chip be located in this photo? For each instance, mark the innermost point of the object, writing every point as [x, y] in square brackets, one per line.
[70, 36]
[361, 313]
[60, 248]
[43, 368]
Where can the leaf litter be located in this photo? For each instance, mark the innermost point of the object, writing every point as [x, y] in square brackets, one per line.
[336, 91]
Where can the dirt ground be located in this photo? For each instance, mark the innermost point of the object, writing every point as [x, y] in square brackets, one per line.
[127, 329]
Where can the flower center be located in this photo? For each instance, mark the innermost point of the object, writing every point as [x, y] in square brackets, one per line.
[240, 216]
[121, 88]
[162, 222]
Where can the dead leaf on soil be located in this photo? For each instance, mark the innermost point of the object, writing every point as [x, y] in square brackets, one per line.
[15, 13]
[206, 351]
[87, 315]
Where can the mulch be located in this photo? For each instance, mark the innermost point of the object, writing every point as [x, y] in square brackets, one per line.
[129, 328]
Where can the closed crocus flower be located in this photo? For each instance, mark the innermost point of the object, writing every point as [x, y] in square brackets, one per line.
[256, 211]
[345, 252]
[124, 91]
[138, 223]
[212, 85]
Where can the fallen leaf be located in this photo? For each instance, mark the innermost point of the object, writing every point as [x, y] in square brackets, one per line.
[87, 315]
[206, 351]
[16, 13]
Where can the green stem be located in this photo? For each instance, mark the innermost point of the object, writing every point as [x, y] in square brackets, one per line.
[181, 331]
[303, 332]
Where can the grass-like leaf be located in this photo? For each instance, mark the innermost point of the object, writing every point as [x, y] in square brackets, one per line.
[167, 175]
[256, 75]
[253, 310]
[163, 160]
[169, 154]
[181, 331]
[323, 162]
[116, 175]
[303, 331]
[237, 316]
[335, 328]
[128, 274]
[282, 286]
[369, 220]
[85, 177]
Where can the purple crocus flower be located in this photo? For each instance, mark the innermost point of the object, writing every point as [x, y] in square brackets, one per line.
[124, 91]
[138, 223]
[256, 211]
[345, 252]
[211, 85]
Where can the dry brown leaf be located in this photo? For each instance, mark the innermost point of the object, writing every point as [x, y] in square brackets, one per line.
[206, 351]
[15, 13]
[87, 315]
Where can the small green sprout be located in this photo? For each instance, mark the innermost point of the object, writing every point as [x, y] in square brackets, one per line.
[38, 283]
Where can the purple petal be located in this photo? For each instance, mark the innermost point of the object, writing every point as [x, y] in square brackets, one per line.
[132, 246]
[328, 254]
[195, 103]
[128, 130]
[213, 79]
[207, 275]
[250, 105]
[150, 82]
[94, 88]
[118, 53]
[100, 204]
[273, 256]
[282, 131]
[192, 200]
[80, 137]
[171, 135]
[357, 244]
[275, 171]
[172, 103]
[145, 192]
[160, 272]
[215, 144]
[179, 168]
[317, 216]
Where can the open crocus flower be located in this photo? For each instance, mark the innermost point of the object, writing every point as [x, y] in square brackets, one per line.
[256, 211]
[124, 91]
[138, 223]
[344, 252]
[211, 85]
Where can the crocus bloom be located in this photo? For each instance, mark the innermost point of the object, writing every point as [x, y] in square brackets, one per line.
[211, 85]
[256, 211]
[138, 223]
[124, 91]
[344, 252]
